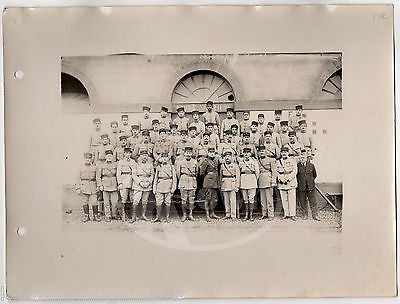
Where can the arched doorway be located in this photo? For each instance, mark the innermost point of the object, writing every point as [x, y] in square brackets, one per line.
[72, 89]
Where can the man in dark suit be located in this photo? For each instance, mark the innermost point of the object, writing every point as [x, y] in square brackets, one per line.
[306, 175]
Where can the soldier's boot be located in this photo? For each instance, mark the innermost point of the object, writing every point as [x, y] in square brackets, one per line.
[213, 215]
[264, 214]
[183, 213]
[133, 219]
[96, 217]
[144, 217]
[123, 213]
[207, 213]
[191, 207]
[251, 205]
[246, 206]
[158, 217]
[101, 209]
[167, 211]
[85, 213]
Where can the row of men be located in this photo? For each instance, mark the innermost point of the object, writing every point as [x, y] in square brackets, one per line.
[134, 179]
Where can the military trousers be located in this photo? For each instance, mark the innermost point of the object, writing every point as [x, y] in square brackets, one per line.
[288, 197]
[89, 199]
[248, 195]
[163, 198]
[230, 203]
[140, 196]
[187, 196]
[267, 201]
[125, 193]
[110, 203]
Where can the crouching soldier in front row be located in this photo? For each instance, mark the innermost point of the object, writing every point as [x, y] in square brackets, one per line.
[87, 188]
[125, 169]
[164, 185]
[249, 174]
[106, 177]
[209, 168]
[142, 184]
[186, 171]
[230, 179]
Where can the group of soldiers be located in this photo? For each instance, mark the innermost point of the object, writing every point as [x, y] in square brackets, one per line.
[219, 157]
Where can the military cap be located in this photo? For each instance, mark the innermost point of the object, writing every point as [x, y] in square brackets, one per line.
[188, 148]
[292, 133]
[228, 132]
[162, 130]
[145, 132]
[114, 123]
[230, 109]
[283, 149]
[87, 155]
[165, 109]
[96, 120]
[261, 147]
[192, 128]
[211, 149]
[121, 137]
[267, 133]
[284, 123]
[209, 124]
[146, 108]
[179, 109]
[144, 152]
[108, 151]
[270, 123]
[103, 136]
[303, 121]
[155, 121]
[234, 126]
[246, 111]
[135, 127]
[299, 107]
[209, 102]
[227, 153]
[183, 132]
[278, 112]
[246, 134]
[124, 115]
[260, 115]
[207, 134]
[127, 149]
[195, 112]
[254, 123]
[246, 149]
[174, 126]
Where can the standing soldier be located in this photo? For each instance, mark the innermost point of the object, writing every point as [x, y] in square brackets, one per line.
[196, 122]
[181, 121]
[230, 179]
[245, 123]
[145, 145]
[135, 138]
[142, 183]
[214, 138]
[247, 144]
[186, 171]
[211, 115]
[254, 134]
[287, 183]
[87, 188]
[95, 137]
[125, 128]
[125, 169]
[275, 138]
[204, 145]
[175, 137]
[271, 150]
[100, 155]
[266, 182]
[145, 122]
[262, 127]
[228, 145]
[228, 121]
[209, 168]
[179, 149]
[235, 135]
[294, 119]
[305, 138]
[284, 134]
[193, 138]
[120, 150]
[249, 174]
[294, 146]
[164, 185]
[114, 135]
[154, 132]
[277, 121]
[165, 121]
[106, 177]
[162, 146]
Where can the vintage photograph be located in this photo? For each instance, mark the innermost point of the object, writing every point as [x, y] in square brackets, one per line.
[226, 141]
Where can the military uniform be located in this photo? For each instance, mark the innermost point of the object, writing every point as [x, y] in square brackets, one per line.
[249, 173]
[133, 141]
[230, 182]
[119, 151]
[95, 140]
[200, 127]
[287, 183]
[266, 182]
[227, 124]
[141, 147]
[125, 169]
[284, 138]
[165, 123]
[114, 139]
[100, 155]
[245, 126]
[250, 146]
[255, 138]
[294, 119]
[209, 168]
[125, 130]
[212, 117]
[262, 128]
[277, 126]
[87, 188]
[145, 124]
[107, 181]
[186, 171]
[203, 148]
[294, 149]
[228, 146]
[182, 123]
[163, 146]
[305, 139]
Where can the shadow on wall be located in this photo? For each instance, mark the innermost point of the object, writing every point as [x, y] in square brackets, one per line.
[73, 93]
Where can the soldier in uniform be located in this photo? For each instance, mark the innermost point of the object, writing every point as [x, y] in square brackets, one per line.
[275, 138]
[228, 145]
[235, 135]
[228, 121]
[100, 155]
[114, 135]
[247, 144]
[142, 183]
[284, 134]
[125, 169]
[204, 145]
[145, 122]
[164, 184]
[179, 149]
[254, 135]
[154, 132]
[95, 137]
[286, 179]
[249, 174]
[135, 138]
[193, 138]
[211, 115]
[294, 146]
[120, 150]
[165, 121]
[262, 127]
[145, 145]
[214, 138]
[87, 188]
[305, 138]
[181, 121]
[266, 181]
[294, 119]
[186, 171]
[175, 137]
[230, 181]
[162, 146]
[277, 121]
[245, 123]
[106, 177]
[125, 128]
[196, 122]
[209, 168]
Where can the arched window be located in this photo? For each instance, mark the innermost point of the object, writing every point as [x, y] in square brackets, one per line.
[72, 89]
[333, 85]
